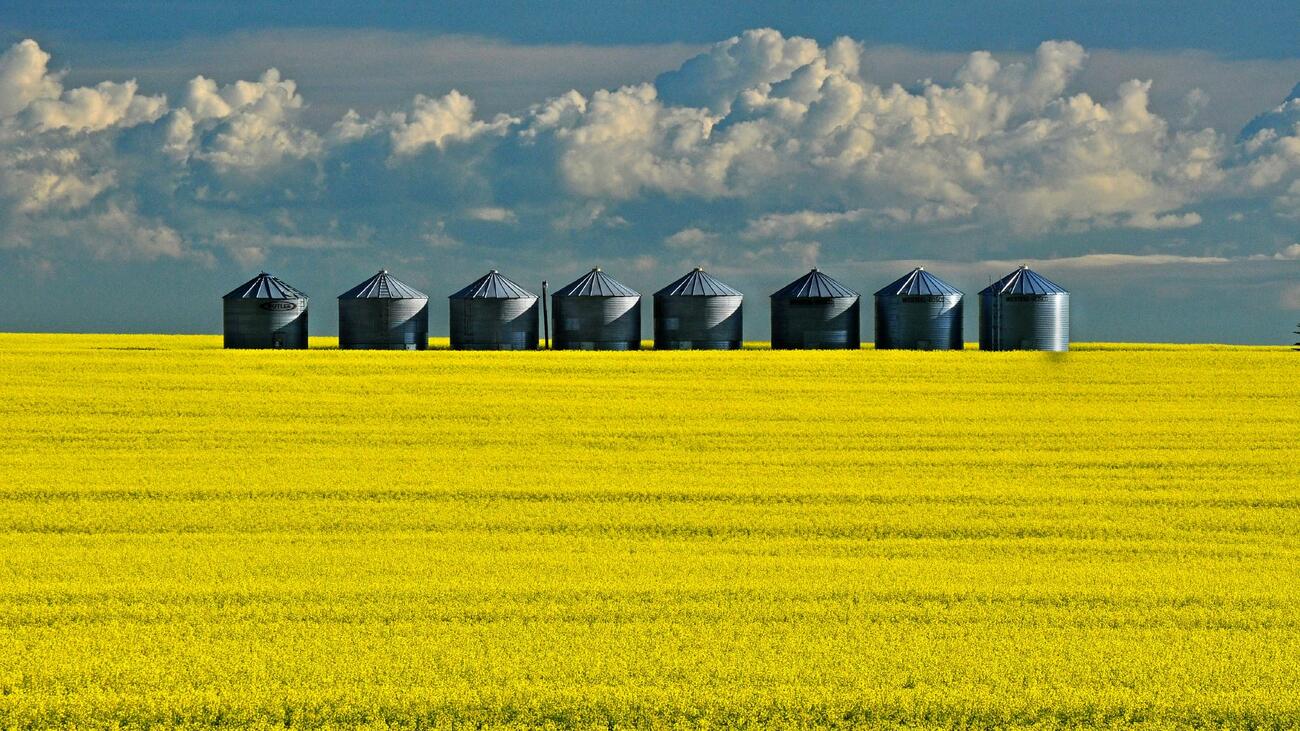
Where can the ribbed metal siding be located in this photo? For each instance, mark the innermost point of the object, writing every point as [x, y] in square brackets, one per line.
[695, 322]
[1025, 322]
[494, 324]
[596, 323]
[816, 323]
[919, 322]
[380, 323]
[265, 323]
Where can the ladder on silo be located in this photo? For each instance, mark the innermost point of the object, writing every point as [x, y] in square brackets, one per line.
[995, 321]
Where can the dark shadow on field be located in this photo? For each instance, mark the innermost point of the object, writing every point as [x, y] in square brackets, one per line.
[1058, 358]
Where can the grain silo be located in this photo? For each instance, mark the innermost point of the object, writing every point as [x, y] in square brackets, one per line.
[816, 312]
[698, 312]
[919, 312]
[493, 313]
[595, 312]
[1024, 311]
[382, 313]
[264, 312]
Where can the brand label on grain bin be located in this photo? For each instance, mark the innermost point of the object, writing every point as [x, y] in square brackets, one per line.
[281, 306]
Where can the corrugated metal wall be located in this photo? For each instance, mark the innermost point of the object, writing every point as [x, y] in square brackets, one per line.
[596, 323]
[381, 323]
[695, 322]
[1025, 322]
[494, 323]
[265, 323]
[919, 322]
[816, 323]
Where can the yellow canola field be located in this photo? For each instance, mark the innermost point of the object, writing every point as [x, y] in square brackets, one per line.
[198, 537]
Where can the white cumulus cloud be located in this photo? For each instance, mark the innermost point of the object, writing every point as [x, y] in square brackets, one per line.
[243, 125]
[24, 77]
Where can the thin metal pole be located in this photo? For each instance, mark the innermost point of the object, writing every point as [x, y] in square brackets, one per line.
[546, 320]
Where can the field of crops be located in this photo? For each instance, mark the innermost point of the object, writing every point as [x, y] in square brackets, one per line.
[192, 536]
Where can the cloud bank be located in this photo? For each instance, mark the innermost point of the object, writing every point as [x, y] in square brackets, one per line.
[792, 130]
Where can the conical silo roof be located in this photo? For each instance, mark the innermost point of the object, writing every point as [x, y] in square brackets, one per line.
[595, 283]
[813, 285]
[494, 286]
[264, 287]
[918, 282]
[383, 286]
[698, 283]
[1023, 281]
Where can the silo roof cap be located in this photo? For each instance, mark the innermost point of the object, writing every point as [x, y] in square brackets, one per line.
[493, 285]
[918, 281]
[698, 283]
[383, 286]
[1023, 281]
[813, 285]
[265, 287]
[595, 283]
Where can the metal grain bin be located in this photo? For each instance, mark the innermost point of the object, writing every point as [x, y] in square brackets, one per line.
[1024, 311]
[698, 312]
[595, 312]
[493, 313]
[264, 312]
[382, 313]
[919, 312]
[816, 312]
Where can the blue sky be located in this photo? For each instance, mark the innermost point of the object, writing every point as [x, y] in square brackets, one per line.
[1264, 29]
[1146, 156]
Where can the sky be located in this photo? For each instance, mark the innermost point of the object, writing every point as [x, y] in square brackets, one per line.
[1146, 156]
